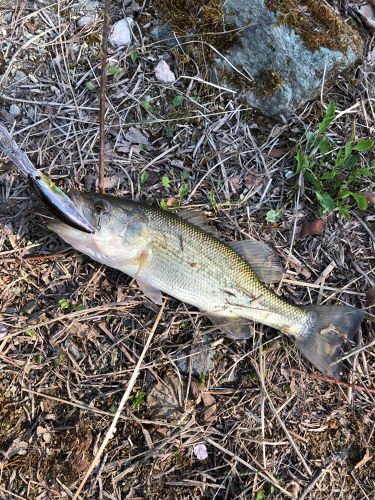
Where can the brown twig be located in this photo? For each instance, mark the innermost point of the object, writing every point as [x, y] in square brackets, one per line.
[103, 81]
[322, 378]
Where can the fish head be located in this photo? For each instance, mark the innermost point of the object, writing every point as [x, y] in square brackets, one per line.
[121, 229]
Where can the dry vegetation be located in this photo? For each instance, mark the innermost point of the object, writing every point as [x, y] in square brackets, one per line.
[72, 330]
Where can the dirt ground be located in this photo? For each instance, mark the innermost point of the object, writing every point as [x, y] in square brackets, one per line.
[72, 331]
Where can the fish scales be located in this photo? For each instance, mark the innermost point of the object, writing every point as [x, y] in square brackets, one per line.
[189, 264]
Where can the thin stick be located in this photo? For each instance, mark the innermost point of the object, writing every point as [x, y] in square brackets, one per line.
[322, 378]
[124, 399]
[264, 474]
[103, 81]
[281, 423]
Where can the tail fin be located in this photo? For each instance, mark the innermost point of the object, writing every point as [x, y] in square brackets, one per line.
[330, 328]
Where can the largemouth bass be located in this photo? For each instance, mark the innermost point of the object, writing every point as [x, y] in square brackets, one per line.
[167, 253]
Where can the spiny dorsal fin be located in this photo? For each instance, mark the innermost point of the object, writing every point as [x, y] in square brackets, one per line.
[197, 218]
[261, 258]
[233, 327]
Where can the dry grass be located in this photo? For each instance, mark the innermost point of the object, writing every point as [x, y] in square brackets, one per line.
[274, 432]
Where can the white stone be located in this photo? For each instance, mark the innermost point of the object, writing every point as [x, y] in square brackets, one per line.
[85, 21]
[121, 32]
[14, 110]
[163, 72]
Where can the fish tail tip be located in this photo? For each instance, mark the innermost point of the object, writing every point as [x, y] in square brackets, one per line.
[331, 327]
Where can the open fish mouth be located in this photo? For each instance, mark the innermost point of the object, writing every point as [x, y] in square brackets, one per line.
[63, 207]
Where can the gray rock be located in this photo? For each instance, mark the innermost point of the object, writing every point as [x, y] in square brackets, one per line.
[281, 50]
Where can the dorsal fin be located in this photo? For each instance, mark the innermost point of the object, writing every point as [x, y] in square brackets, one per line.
[197, 218]
[261, 258]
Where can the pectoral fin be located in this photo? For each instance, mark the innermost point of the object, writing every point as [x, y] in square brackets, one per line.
[261, 258]
[151, 293]
[233, 327]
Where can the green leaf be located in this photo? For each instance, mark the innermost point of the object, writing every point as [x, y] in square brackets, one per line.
[79, 307]
[328, 118]
[112, 70]
[328, 175]
[184, 189]
[259, 495]
[324, 146]
[163, 205]
[344, 211]
[348, 149]
[64, 304]
[143, 177]
[364, 145]
[134, 56]
[147, 105]
[274, 216]
[185, 175]
[312, 179]
[344, 192]
[166, 182]
[213, 200]
[361, 200]
[177, 101]
[169, 133]
[90, 86]
[326, 202]
[302, 161]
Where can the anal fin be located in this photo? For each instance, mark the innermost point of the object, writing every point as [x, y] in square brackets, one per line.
[151, 293]
[262, 259]
[233, 327]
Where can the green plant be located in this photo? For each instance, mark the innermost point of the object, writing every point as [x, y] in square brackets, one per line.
[137, 400]
[90, 85]
[177, 101]
[273, 216]
[64, 304]
[134, 56]
[334, 174]
[180, 192]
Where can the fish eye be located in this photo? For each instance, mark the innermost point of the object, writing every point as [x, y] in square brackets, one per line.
[100, 207]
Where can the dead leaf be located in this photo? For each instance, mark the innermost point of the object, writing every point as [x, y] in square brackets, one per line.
[276, 153]
[370, 297]
[253, 179]
[210, 407]
[370, 197]
[110, 182]
[165, 401]
[135, 136]
[170, 201]
[312, 228]
[235, 182]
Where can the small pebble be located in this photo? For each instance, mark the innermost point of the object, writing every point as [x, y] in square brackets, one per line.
[85, 21]
[121, 32]
[200, 451]
[163, 72]
[14, 110]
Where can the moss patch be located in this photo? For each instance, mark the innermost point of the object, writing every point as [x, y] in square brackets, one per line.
[316, 23]
[203, 20]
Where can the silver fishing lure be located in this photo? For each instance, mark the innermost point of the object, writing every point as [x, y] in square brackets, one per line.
[55, 199]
